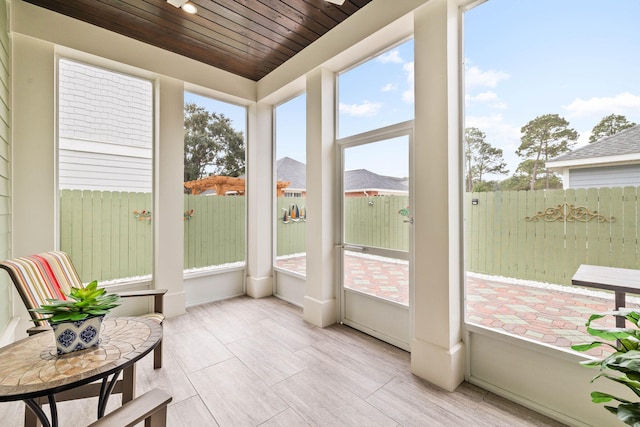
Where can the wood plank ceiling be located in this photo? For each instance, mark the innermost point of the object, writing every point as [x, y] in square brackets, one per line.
[249, 38]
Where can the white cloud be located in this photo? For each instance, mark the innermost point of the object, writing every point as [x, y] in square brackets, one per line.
[483, 97]
[408, 95]
[392, 56]
[366, 109]
[475, 77]
[389, 87]
[626, 104]
[499, 105]
[495, 126]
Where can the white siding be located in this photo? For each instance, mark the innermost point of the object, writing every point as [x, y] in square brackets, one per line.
[105, 129]
[607, 176]
[5, 132]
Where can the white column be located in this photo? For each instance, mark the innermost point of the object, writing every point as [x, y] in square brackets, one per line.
[260, 195]
[320, 306]
[33, 180]
[437, 350]
[168, 222]
[33, 176]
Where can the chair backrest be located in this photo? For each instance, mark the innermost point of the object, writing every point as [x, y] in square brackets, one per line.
[49, 275]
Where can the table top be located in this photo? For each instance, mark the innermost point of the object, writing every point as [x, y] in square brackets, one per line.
[611, 278]
[31, 368]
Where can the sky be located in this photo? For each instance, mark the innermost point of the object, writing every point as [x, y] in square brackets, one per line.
[575, 58]
[523, 59]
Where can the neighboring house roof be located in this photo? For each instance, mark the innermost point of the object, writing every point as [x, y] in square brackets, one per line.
[364, 180]
[619, 148]
[295, 172]
[288, 169]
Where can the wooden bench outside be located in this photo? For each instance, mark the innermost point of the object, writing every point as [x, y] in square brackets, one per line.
[150, 407]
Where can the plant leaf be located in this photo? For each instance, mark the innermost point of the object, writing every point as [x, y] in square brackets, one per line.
[611, 334]
[629, 413]
[586, 347]
[600, 397]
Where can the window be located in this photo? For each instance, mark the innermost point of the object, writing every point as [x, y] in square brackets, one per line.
[105, 139]
[377, 93]
[519, 263]
[214, 180]
[291, 188]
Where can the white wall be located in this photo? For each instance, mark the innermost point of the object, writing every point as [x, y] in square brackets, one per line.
[6, 288]
[105, 130]
[604, 176]
[543, 378]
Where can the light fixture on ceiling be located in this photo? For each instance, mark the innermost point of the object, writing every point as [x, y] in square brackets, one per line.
[185, 5]
[338, 2]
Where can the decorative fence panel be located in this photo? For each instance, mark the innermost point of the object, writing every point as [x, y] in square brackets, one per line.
[565, 228]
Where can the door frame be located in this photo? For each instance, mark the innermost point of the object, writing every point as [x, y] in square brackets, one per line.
[389, 132]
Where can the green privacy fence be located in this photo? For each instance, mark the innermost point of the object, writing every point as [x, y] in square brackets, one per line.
[109, 234]
[291, 233]
[102, 235]
[215, 232]
[377, 221]
[566, 228]
[369, 221]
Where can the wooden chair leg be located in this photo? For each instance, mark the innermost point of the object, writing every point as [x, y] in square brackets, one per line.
[129, 384]
[159, 419]
[157, 356]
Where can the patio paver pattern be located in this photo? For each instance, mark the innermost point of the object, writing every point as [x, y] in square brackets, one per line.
[539, 312]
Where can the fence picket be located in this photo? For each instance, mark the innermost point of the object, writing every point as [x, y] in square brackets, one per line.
[630, 255]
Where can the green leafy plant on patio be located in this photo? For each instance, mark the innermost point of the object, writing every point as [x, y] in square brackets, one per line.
[82, 303]
[624, 362]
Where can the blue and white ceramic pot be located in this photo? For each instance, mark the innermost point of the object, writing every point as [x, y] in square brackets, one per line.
[79, 335]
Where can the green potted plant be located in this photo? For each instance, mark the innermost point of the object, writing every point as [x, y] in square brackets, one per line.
[77, 320]
[622, 366]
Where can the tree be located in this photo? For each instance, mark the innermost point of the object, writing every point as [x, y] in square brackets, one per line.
[521, 180]
[481, 158]
[609, 125]
[211, 144]
[543, 138]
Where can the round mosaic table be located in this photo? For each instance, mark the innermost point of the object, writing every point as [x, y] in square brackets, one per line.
[30, 368]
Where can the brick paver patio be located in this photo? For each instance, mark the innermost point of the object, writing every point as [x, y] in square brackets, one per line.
[552, 314]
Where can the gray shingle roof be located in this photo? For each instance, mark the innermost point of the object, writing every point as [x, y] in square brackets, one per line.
[625, 142]
[294, 171]
[362, 179]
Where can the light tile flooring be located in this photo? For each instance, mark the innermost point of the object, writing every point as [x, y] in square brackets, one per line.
[247, 362]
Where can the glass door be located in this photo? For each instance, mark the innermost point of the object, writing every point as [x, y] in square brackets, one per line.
[376, 289]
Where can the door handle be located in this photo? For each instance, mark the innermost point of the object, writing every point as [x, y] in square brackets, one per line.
[410, 220]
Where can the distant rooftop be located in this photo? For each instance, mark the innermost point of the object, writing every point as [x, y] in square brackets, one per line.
[625, 142]
[295, 172]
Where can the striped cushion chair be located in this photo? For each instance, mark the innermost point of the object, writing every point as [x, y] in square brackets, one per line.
[51, 275]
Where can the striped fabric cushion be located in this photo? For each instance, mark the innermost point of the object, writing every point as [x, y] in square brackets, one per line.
[48, 275]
